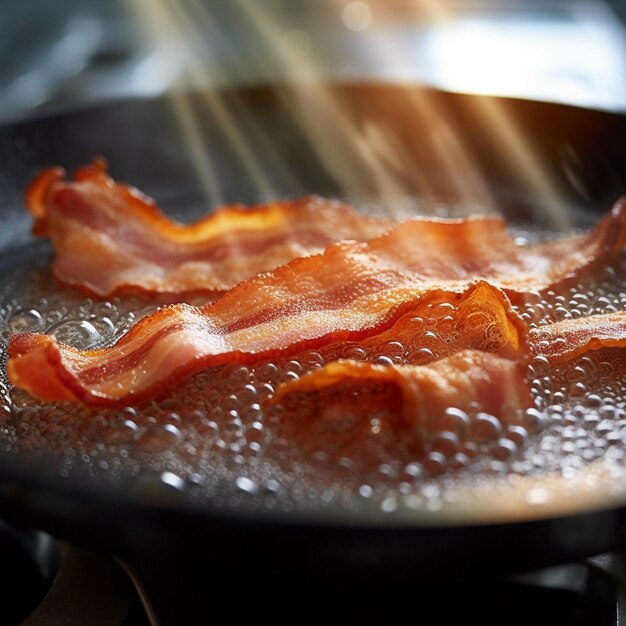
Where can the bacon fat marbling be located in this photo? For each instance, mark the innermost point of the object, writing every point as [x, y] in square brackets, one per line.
[352, 291]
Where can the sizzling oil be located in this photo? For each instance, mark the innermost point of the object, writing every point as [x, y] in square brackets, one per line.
[214, 436]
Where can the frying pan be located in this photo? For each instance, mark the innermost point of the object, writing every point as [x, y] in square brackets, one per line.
[178, 544]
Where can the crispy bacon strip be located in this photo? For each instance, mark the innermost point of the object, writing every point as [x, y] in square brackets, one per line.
[566, 340]
[181, 339]
[351, 291]
[417, 396]
[111, 238]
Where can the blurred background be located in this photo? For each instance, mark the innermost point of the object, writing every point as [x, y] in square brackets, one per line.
[69, 53]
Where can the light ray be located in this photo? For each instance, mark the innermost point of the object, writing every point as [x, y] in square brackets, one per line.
[161, 29]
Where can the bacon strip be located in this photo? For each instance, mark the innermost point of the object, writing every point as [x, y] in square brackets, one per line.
[351, 291]
[566, 340]
[417, 396]
[180, 339]
[110, 238]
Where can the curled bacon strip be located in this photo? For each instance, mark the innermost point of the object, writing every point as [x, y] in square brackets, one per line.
[180, 339]
[566, 340]
[351, 291]
[111, 238]
[417, 396]
[482, 319]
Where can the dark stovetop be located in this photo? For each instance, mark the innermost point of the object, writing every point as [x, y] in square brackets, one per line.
[84, 588]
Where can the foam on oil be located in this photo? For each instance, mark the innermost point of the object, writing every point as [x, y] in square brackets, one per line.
[214, 437]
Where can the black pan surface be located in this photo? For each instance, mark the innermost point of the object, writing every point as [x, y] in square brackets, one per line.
[94, 495]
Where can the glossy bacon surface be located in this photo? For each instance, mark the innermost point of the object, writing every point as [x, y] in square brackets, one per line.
[418, 396]
[569, 339]
[109, 237]
[482, 318]
[180, 339]
[351, 291]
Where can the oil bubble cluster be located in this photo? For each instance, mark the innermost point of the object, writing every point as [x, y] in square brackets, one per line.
[214, 437]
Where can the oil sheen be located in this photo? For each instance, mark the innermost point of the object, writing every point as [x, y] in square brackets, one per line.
[214, 438]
